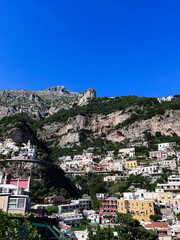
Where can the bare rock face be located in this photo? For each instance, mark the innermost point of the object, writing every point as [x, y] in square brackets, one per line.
[40, 104]
[79, 128]
[22, 134]
[86, 96]
[166, 124]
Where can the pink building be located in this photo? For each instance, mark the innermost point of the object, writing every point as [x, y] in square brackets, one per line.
[108, 210]
[157, 154]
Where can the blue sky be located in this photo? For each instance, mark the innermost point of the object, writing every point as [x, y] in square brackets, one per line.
[123, 47]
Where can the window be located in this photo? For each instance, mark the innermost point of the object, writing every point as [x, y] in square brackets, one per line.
[16, 203]
[142, 205]
[21, 203]
[12, 203]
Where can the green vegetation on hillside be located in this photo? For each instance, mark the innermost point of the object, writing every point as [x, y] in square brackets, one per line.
[142, 108]
[100, 145]
[93, 183]
[127, 228]
[102, 105]
[12, 228]
[18, 120]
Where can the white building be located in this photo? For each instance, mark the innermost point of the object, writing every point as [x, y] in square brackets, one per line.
[81, 235]
[127, 152]
[171, 164]
[71, 217]
[173, 185]
[165, 146]
[146, 170]
[94, 218]
[102, 196]
[165, 99]
[109, 179]
[116, 166]
[13, 199]
[139, 194]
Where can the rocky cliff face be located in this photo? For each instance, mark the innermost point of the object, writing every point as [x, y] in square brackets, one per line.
[40, 104]
[68, 131]
[86, 96]
[166, 124]
[79, 128]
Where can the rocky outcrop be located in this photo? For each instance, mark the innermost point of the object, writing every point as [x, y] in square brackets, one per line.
[22, 134]
[41, 104]
[79, 128]
[86, 96]
[166, 124]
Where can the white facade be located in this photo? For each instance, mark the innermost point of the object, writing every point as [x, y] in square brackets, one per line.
[94, 218]
[72, 217]
[139, 194]
[165, 99]
[81, 235]
[171, 164]
[165, 146]
[102, 196]
[110, 179]
[173, 185]
[146, 170]
[129, 152]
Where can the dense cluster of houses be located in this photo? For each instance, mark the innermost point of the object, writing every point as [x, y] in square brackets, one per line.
[13, 150]
[140, 203]
[126, 163]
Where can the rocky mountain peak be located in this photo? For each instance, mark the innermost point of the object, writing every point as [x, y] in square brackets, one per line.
[86, 96]
[43, 103]
[56, 89]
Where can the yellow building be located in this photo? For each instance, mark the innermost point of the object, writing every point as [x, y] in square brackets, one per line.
[160, 197]
[139, 209]
[167, 198]
[130, 164]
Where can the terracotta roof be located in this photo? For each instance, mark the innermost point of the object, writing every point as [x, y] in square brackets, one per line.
[148, 226]
[160, 224]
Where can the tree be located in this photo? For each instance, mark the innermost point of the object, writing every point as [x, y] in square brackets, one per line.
[177, 96]
[130, 229]
[15, 229]
[155, 218]
[54, 209]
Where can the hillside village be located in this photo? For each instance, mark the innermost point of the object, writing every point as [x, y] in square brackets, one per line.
[156, 209]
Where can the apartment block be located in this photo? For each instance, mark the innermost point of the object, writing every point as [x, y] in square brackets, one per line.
[139, 209]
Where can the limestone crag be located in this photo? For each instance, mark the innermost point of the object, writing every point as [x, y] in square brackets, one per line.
[79, 128]
[41, 104]
[86, 96]
[166, 124]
